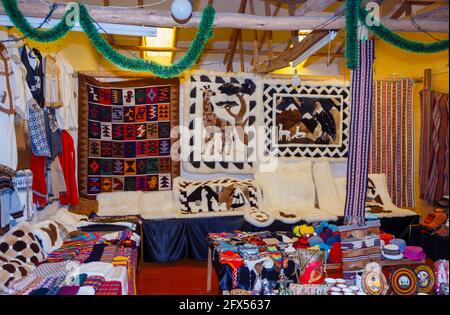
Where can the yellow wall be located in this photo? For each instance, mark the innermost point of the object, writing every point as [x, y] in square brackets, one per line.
[75, 47]
[390, 60]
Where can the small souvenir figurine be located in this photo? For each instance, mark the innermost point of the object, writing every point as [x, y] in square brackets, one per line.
[441, 277]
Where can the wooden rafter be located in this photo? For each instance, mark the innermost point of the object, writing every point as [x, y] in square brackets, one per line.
[146, 16]
[433, 11]
[338, 50]
[255, 37]
[228, 58]
[291, 54]
[404, 9]
[314, 6]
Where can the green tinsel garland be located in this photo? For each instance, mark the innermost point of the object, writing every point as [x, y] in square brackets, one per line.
[351, 34]
[39, 35]
[353, 8]
[403, 43]
[134, 64]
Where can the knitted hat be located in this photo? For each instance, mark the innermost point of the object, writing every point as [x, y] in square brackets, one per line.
[386, 237]
[321, 226]
[335, 256]
[400, 243]
[331, 240]
[315, 240]
[302, 242]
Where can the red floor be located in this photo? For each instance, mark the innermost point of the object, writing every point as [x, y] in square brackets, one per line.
[186, 277]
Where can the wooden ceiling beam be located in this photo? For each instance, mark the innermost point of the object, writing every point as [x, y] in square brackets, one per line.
[228, 59]
[314, 6]
[146, 16]
[283, 60]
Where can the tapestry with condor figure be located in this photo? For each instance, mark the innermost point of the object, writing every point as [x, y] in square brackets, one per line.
[311, 120]
[220, 112]
[125, 135]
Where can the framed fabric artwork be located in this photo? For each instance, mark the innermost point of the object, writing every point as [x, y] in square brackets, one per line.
[124, 136]
[224, 107]
[309, 121]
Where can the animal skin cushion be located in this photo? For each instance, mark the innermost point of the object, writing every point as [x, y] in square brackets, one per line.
[380, 189]
[289, 188]
[119, 203]
[85, 207]
[158, 205]
[47, 233]
[327, 194]
[217, 195]
[11, 269]
[68, 219]
[20, 243]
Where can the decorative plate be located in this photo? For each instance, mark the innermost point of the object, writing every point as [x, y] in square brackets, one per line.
[425, 278]
[404, 281]
[374, 283]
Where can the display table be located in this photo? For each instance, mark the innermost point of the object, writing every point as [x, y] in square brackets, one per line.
[434, 246]
[177, 239]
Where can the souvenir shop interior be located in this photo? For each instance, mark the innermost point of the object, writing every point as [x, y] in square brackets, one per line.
[211, 147]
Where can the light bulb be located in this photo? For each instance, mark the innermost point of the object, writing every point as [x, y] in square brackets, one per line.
[181, 9]
[295, 79]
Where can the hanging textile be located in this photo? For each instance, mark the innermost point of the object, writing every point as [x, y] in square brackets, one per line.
[32, 60]
[37, 166]
[67, 160]
[434, 153]
[392, 144]
[360, 121]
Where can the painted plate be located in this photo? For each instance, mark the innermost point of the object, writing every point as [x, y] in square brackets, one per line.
[374, 283]
[425, 278]
[404, 281]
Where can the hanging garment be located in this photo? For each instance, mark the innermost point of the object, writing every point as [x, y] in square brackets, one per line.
[53, 82]
[8, 154]
[67, 114]
[392, 143]
[434, 154]
[37, 125]
[37, 166]
[58, 184]
[67, 159]
[32, 60]
[11, 208]
[360, 122]
[53, 133]
[23, 181]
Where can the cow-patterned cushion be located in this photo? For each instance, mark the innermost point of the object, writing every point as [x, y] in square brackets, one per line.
[48, 235]
[20, 243]
[11, 269]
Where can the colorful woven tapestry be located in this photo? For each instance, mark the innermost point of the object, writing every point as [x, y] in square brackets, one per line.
[360, 121]
[125, 135]
[434, 153]
[392, 144]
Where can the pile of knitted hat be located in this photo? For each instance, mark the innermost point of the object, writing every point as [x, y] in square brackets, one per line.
[323, 236]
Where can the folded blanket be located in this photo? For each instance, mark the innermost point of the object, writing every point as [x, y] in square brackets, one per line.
[86, 290]
[119, 273]
[110, 288]
[96, 268]
[69, 290]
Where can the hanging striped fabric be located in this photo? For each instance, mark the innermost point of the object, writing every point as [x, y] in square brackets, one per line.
[360, 122]
[392, 139]
[434, 154]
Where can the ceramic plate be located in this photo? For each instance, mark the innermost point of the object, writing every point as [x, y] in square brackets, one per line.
[425, 278]
[374, 283]
[404, 281]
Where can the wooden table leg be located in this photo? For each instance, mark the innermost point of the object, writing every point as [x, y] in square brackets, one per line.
[209, 271]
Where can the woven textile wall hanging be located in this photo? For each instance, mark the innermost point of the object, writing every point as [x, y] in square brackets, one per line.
[311, 120]
[125, 135]
[223, 106]
[360, 121]
[434, 156]
[392, 141]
